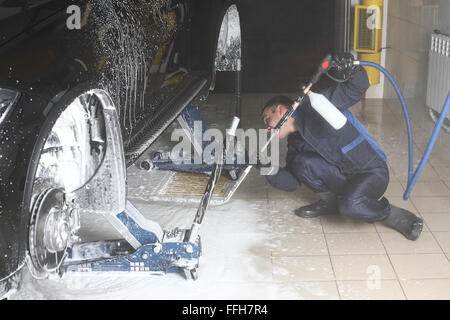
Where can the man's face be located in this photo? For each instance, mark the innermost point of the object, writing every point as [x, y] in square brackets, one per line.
[272, 117]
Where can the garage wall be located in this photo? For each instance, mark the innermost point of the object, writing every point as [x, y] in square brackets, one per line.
[410, 24]
[283, 42]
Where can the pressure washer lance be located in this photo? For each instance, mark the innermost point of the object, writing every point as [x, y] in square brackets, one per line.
[192, 235]
[320, 103]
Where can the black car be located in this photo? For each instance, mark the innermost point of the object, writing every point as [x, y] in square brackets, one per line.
[85, 88]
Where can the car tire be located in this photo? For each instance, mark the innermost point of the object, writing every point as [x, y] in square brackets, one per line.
[69, 155]
[10, 285]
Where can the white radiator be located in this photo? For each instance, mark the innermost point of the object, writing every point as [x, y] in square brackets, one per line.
[438, 72]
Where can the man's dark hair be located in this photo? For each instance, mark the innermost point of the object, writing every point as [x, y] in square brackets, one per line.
[275, 101]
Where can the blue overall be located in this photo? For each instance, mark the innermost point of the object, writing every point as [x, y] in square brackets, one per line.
[346, 162]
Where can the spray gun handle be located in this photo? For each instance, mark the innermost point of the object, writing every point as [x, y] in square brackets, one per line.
[324, 66]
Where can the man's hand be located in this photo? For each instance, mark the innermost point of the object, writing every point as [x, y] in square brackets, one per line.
[342, 67]
[344, 61]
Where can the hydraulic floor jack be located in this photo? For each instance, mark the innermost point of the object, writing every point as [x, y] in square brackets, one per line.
[146, 247]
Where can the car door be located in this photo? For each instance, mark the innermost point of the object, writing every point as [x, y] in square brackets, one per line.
[141, 55]
[170, 65]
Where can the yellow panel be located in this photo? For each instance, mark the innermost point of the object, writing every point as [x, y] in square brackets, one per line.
[365, 39]
[369, 53]
[378, 3]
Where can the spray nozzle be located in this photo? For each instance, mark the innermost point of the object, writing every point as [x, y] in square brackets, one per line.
[324, 66]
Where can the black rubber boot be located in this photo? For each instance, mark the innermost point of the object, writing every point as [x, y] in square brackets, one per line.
[326, 205]
[404, 222]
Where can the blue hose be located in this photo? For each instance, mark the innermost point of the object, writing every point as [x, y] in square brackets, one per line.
[412, 177]
[430, 146]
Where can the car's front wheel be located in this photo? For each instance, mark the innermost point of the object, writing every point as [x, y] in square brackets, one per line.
[80, 169]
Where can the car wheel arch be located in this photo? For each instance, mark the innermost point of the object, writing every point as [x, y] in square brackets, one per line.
[53, 111]
[212, 62]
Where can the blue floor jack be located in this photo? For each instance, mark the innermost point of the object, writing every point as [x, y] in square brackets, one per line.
[172, 163]
[194, 129]
[146, 247]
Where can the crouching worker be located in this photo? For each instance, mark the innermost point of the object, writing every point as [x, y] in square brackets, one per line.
[345, 167]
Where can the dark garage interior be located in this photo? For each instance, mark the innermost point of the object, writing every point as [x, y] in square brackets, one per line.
[282, 48]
